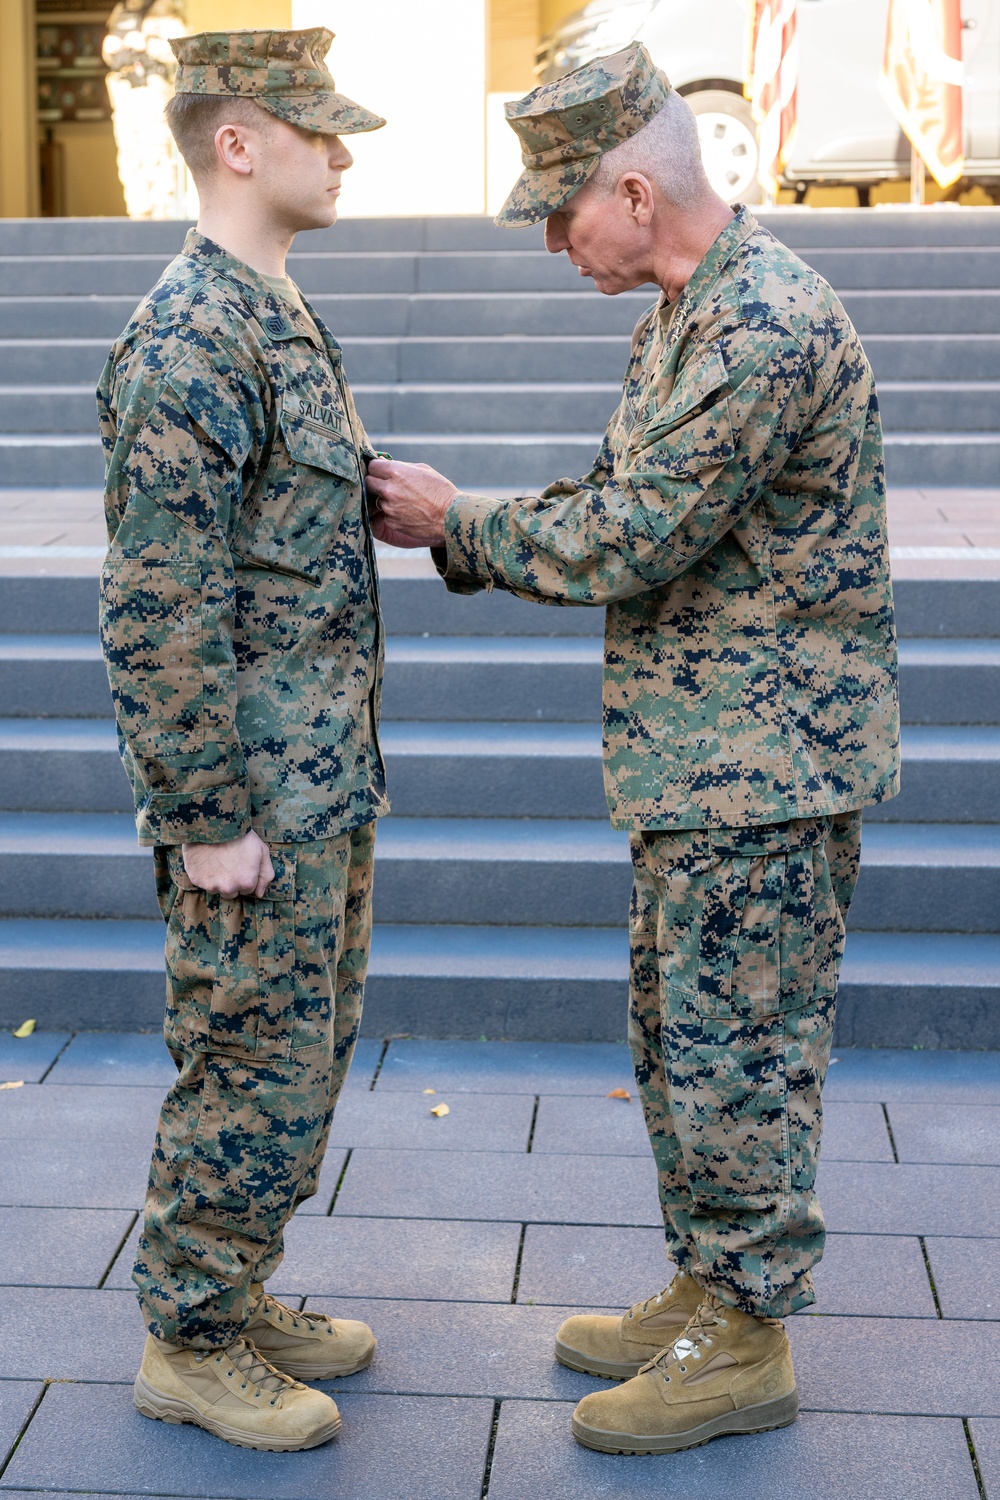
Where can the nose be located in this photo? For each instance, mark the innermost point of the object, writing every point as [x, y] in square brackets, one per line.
[339, 154]
[556, 238]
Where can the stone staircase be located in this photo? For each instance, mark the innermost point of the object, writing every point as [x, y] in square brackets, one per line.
[501, 892]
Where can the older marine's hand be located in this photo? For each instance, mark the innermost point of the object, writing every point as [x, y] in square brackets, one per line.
[410, 501]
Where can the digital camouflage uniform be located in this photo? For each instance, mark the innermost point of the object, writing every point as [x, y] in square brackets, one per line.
[734, 526]
[241, 630]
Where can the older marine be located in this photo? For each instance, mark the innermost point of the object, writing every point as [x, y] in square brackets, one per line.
[734, 527]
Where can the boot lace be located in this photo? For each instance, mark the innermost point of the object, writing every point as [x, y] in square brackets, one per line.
[242, 1358]
[312, 1322]
[651, 1303]
[710, 1314]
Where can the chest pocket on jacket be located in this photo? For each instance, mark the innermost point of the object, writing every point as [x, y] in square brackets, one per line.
[300, 514]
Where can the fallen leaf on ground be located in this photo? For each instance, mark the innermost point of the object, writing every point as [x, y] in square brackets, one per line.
[18, 1085]
[430, 1091]
[619, 1094]
[25, 1028]
[440, 1109]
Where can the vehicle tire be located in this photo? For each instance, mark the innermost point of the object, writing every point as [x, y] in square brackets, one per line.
[728, 144]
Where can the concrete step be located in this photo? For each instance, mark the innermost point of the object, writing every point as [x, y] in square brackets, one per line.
[484, 408]
[414, 602]
[551, 680]
[897, 989]
[951, 773]
[515, 357]
[489, 314]
[897, 268]
[800, 227]
[524, 461]
[494, 871]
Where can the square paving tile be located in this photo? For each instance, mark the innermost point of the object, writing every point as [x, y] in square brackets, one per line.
[855, 1132]
[91, 1438]
[819, 1456]
[885, 1074]
[986, 1441]
[590, 1124]
[873, 1275]
[398, 1258]
[57, 1334]
[401, 1122]
[58, 1246]
[952, 1133]
[109, 1057]
[74, 1173]
[460, 1349]
[17, 1397]
[28, 1057]
[484, 1185]
[507, 1067]
[967, 1276]
[882, 1198]
[56, 1113]
[568, 1265]
[907, 1366]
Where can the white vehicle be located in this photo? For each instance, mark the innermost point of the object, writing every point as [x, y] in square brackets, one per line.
[846, 132]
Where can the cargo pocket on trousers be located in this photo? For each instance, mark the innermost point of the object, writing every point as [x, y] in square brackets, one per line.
[728, 1106]
[245, 950]
[774, 967]
[254, 992]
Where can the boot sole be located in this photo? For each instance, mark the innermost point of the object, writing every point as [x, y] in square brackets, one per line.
[161, 1408]
[764, 1418]
[329, 1372]
[606, 1369]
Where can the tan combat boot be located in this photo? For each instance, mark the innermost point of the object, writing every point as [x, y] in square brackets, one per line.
[619, 1347]
[235, 1394]
[728, 1372]
[308, 1346]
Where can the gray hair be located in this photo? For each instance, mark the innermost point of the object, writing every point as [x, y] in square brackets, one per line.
[667, 151]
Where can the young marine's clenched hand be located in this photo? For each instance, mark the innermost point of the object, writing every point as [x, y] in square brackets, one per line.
[409, 503]
[240, 868]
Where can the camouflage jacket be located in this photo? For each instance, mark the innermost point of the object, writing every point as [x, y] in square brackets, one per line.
[239, 599]
[735, 526]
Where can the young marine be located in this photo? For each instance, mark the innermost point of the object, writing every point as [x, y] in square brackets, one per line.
[241, 629]
[734, 526]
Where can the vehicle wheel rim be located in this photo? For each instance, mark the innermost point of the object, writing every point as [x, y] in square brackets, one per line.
[729, 151]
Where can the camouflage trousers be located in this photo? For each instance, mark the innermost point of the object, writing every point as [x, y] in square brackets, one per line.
[736, 941]
[263, 1010]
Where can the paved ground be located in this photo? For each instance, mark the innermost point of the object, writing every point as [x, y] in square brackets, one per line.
[464, 1240]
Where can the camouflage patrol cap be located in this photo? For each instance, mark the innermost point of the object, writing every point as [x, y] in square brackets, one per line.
[282, 71]
[566, 126]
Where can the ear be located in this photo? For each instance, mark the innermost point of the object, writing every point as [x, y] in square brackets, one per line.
[232, 149]
[636, 192]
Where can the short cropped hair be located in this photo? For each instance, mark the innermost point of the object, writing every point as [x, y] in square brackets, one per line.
[667, 151]
[194, 119]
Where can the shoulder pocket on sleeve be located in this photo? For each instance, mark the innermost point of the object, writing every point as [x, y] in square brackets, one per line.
[194, 438]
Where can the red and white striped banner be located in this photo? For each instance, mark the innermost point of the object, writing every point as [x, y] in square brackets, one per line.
[771, 84]
[921, 80]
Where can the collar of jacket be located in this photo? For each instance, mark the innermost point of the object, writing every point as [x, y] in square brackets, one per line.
[277, 318]
[718, 255]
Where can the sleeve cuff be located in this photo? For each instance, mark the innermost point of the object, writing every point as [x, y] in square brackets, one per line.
[214, 815]
[462, 561]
